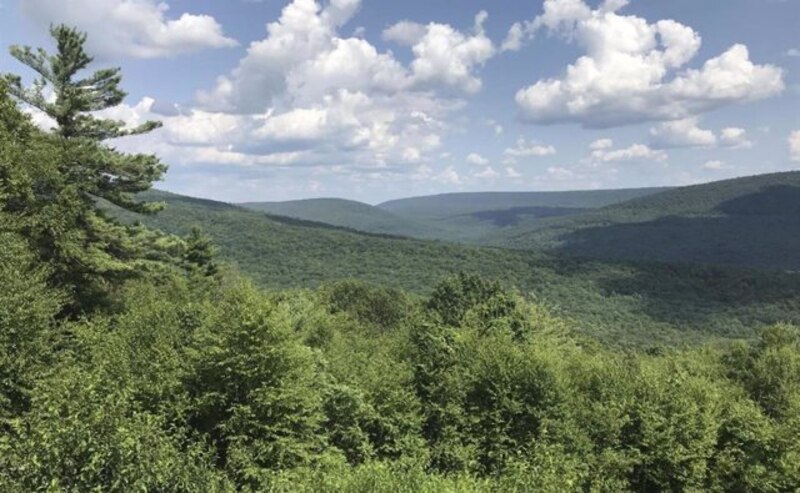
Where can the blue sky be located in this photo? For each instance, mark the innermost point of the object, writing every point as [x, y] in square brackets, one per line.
[374, 100]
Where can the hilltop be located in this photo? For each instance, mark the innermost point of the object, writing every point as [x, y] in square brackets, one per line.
[458, 217]
[751, 221]
[347, 214]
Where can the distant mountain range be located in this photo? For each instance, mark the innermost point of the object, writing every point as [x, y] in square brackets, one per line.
[459, 217]
[751, 222]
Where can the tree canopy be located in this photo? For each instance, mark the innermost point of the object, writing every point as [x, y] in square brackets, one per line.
[76, 168]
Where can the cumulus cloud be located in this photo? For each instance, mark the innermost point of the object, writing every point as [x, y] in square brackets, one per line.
[682, 133]
[405, 33]
[794, 145]
[136, 28]
[634, 153]
[447, 176]
[512, 172]
[560, 173]
[477, 159]
[529, 149]
[306, 87]
[633, 70]
[488, 173]
[443, 55]
[735, 138]
[687, 133]
[601, 144]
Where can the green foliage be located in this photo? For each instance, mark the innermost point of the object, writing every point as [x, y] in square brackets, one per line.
[622, 304]
[199, 255]
[748, 222]
[193, 383]
[53, 181]
[87, 434]
[254, 389]
[375, 306]
[478, 216]
[348, 214]
[28, 309]
[471, 300]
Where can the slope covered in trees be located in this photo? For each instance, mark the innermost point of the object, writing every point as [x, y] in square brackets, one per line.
[347, 214]
[627, 304]
[752, 221]
[194, 383]
[469, 217]
[460, 217]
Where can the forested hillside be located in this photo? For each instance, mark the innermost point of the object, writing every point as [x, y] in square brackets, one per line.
[752, 221]
[455, 204]
[348, 214]
[625, 304]
[471, 217]
[136, 359]
[464, 217]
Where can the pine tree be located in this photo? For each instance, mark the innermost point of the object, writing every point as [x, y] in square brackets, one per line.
[200, 253]
[89, 250]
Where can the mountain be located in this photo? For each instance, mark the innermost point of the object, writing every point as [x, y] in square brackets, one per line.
[752, 221]
[460, 217]
[347, 214]
[456, 204]
[469, 217]
[620, 303]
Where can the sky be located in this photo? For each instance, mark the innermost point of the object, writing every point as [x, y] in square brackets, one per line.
[372, 100]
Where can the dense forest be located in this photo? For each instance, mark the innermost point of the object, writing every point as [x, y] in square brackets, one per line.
[625, 304]
[456, 217]
[133, 359]
[752, 221]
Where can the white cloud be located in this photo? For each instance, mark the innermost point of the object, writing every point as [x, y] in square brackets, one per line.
[511, 172]
[136, 28]
[498, 129]
[735, 138]
[529, 149]
[793, 52]
[601, 144]
[443, 55]
[635, 71]
[477, 159]
[306, 87]
[405, 32]
[487, 173]
[448, 176]
[514, 38]
[559, 173]
[714, 165]
[794, 145]
[635, 153]
[682, 133]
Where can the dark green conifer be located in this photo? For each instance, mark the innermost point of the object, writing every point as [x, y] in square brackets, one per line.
[88, 250]
[200, 253]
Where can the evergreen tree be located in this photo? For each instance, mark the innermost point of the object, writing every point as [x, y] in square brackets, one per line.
[89, 250]
[200, 253]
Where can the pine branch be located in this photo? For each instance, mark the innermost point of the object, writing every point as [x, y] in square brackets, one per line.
[39, 61]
